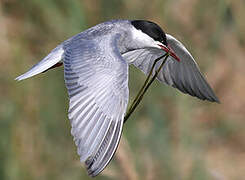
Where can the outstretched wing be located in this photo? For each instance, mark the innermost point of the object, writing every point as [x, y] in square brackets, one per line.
[96, 78]
[184, 75]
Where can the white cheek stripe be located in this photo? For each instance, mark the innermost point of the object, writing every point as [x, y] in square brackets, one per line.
[144, 39]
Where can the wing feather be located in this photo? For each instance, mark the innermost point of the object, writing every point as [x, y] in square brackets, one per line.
[184, 75]
[97, 84]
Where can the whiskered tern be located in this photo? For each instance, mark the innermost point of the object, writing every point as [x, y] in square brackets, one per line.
[96, 76]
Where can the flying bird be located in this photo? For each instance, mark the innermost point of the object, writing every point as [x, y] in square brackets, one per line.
[96, 65]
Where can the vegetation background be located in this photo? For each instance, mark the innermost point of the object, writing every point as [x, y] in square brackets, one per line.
[170, 136]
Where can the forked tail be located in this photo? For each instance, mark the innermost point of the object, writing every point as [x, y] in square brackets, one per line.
[54, 57]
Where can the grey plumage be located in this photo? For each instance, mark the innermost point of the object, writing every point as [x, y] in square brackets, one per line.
[184, 75]
[96, 77]
[98, 94]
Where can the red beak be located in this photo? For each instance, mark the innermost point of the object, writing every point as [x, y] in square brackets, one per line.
[170, 51]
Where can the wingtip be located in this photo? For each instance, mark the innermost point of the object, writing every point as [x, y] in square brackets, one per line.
[213, 99]
[19, 78]
[92, 173]
[216, 100]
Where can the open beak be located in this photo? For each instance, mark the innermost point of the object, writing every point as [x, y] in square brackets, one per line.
[170, 51]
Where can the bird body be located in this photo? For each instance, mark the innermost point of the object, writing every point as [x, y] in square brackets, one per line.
[96, 76]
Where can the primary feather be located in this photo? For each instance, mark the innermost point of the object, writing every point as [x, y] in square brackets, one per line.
[98, 92]
[54, 57]
[184, 75]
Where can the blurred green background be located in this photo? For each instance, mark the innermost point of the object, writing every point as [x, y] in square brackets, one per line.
[170, 136]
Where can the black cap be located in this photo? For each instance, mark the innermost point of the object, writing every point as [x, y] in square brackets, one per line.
[151, 29]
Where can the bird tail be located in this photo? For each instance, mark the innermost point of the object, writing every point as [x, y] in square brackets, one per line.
[54, 57]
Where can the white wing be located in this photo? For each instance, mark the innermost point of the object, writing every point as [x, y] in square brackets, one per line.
[55, 56]
[96, 77]
[184, 75]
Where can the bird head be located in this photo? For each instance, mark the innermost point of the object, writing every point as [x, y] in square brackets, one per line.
[149, 34]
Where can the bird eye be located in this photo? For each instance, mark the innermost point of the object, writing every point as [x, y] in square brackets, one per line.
[163, 42]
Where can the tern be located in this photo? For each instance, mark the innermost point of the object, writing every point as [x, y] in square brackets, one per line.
[96, 63]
